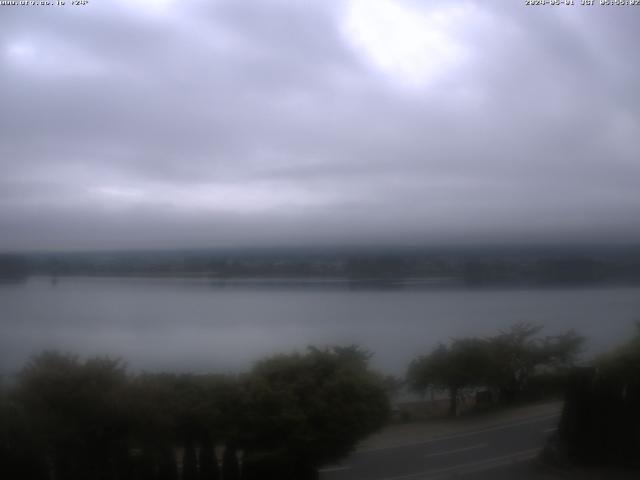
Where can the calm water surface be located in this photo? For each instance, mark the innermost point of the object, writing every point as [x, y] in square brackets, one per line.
[180, 325]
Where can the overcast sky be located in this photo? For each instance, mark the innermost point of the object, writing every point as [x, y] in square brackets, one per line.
[176, 123]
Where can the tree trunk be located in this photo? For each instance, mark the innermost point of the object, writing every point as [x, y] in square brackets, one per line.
[453, 401]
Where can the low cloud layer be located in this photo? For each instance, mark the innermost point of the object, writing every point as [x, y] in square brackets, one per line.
[133, 124]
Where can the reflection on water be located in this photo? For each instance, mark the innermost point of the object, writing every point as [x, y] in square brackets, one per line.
[192, 324]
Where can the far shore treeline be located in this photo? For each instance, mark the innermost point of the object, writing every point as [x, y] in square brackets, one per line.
[430, 266]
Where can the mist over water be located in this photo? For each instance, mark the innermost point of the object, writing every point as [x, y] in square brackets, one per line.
[197, 325]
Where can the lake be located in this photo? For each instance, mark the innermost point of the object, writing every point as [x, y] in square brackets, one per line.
[197, 325]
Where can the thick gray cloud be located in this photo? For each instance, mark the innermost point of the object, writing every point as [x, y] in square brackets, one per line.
[215, 123]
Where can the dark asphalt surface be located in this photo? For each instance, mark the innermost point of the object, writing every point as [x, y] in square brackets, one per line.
[461, 454]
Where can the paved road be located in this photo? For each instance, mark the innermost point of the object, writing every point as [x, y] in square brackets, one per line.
[459, 454]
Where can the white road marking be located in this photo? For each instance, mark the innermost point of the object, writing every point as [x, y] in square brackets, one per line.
[458, 450]
[471, 466]
[549, 430]
[333, 469]
[462, 435]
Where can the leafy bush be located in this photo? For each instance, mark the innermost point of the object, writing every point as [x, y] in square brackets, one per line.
[78, 419]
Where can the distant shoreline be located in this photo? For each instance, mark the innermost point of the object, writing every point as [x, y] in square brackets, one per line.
[303, 282]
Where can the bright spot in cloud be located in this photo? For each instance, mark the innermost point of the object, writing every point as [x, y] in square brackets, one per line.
[20, 51]
[152, 7]
[44, 56]
[252, 198]
[413, 45]
[124, 193]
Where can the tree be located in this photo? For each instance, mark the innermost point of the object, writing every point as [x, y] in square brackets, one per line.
[74, 411]
[600, 423]
[506, 362]
[464, 363]
[305, 410]
[191, 411]
[623, 363]
[517, 354]
[18, 447]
